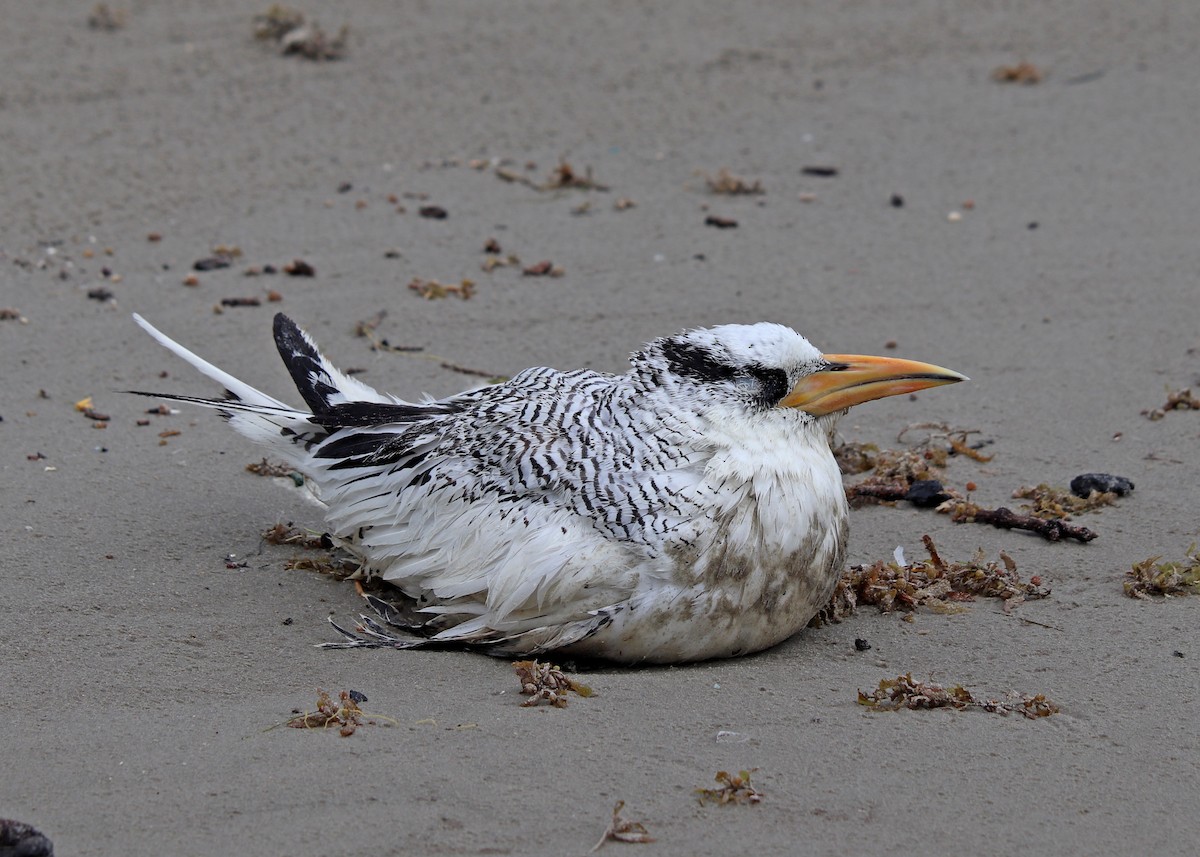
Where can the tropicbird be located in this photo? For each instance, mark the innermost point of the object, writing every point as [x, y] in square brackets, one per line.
[688, 509]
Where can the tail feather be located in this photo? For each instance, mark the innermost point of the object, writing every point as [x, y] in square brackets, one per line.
[281, 428]
[239, 390]
[337, 401]
[321, 384]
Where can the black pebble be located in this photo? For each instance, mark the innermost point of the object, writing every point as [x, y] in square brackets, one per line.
[897, 201]
[18, 839]
[212, 263]
[1086, 483]
[861, 644]
[926, 492]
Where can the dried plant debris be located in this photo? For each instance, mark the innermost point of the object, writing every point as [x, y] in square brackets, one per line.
[719, 222]
[299, 268]
[944, 440]
[566, 176]
[491, 263]
[545, 268]
[105, 19]
[286, 534]
[275, 468]
[899, 475]
[932, 583]
[967, 512]
[854, 458]
[294, 35]
[1177, 400]
[86, 407]
[18, 839]
[729, 184]
[905, 692]
[897, 470]
[545, 682]
[368, 326]
[562, 177]
[1150, 577]
[623, 830]
[342, 714]
[1023, 72]
[337, 567]
[1053, 503]
[732, 789]
[433, 290]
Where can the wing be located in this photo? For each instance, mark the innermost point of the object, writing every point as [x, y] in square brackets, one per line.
[506, 509]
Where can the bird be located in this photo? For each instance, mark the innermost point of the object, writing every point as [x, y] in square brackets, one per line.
[687, 510]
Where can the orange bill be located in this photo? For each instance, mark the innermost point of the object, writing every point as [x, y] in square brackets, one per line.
[851, 379]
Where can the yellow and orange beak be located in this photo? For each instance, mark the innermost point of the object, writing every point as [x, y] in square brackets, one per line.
[851, 379]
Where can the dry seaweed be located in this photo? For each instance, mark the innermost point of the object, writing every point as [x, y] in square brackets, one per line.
[1052, 503]
[285, 534]
[729, 184]
[544, 268]
[433, 290]
[339, 568]
[1024, 72]
[733, 789]
[343, 714]
[105, 19]
[294, 35]
[547, 682]
[622, 830]
[895, 470]
[275, 468]
[855, 458]
[493, 262]
[932, 583]
[1177, 400]
[566, 176]
[1150, 577]
[367, 326]
[905, 692]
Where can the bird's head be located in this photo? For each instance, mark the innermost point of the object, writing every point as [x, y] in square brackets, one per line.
[765, 366]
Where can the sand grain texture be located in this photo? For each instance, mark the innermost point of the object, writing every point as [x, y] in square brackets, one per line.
[139, 672]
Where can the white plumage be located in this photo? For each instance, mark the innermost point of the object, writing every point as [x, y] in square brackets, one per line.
[688, 509]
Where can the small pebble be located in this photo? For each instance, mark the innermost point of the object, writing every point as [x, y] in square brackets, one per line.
[926, 492]
[1086, 483]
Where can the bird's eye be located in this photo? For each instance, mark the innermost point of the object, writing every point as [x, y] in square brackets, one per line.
[773, 383]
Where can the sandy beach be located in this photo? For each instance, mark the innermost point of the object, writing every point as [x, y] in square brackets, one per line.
[1039, 237]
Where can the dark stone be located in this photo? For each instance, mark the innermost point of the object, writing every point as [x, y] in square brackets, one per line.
[1086, 483]
[926, 492]
[861, 644]
[212, 263]
[18, 839]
